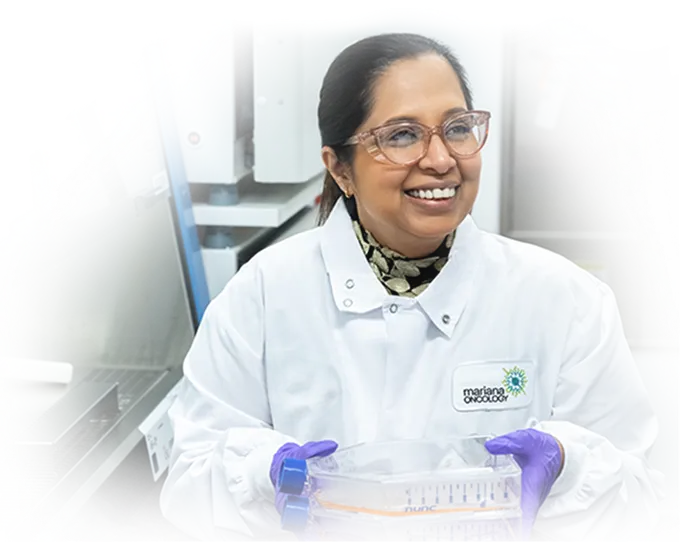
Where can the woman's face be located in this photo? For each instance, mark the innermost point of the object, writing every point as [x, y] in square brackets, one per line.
[425, 89]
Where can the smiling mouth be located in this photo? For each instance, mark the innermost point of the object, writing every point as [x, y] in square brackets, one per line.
[434, 194]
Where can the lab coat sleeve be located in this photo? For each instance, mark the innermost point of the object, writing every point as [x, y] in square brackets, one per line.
[218, 481]
[604, 420]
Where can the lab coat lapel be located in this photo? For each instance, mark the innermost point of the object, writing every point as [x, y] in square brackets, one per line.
[354, 284]
[445, 298]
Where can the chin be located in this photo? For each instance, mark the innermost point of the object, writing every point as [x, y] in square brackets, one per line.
[438, 227]
[433, 234]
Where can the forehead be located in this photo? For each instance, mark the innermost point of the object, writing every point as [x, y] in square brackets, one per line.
[423, 88]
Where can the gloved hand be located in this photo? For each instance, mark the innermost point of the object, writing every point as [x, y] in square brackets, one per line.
[540, 457]
[320, 448]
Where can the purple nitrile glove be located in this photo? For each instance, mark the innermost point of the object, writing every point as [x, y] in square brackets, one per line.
[540, 456]
[320, 448]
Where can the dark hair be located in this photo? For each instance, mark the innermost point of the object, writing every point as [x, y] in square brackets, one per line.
[346, 95]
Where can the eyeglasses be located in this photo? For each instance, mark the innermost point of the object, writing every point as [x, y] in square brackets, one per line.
[405, 143]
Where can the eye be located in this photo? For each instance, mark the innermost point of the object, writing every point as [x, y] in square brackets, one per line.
[458, 130]
[401, 136]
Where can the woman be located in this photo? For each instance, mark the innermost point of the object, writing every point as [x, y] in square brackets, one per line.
[398, 318]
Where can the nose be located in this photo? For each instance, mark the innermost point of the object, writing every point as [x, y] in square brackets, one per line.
[438, 157]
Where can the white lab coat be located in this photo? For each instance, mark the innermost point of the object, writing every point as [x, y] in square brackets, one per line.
[305, 344]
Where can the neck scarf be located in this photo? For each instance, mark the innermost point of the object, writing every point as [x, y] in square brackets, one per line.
[402, 276]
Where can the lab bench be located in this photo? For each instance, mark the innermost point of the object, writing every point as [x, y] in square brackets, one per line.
[97, 479]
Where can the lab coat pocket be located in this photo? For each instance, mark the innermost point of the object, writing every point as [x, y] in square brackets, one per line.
[494, 396]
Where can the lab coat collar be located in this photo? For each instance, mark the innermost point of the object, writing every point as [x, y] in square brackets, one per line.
[354, 284]
[356, 288]
[444, 300]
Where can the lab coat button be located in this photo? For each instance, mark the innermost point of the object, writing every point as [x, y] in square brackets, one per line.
[393, 308]
[349, 284]
[347, 302]
[446, 318]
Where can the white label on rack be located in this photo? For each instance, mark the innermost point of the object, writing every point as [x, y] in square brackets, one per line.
[159, 435]
[493, 385]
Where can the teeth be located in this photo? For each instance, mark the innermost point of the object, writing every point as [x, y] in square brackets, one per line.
[437, 193]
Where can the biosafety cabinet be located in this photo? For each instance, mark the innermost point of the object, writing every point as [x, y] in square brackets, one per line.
[573, 179]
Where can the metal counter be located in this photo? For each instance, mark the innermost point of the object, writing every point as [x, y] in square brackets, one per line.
[108, 476]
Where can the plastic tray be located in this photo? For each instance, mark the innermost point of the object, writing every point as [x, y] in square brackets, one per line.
[404, 478]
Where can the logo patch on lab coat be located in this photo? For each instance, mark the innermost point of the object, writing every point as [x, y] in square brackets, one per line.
[492, 385]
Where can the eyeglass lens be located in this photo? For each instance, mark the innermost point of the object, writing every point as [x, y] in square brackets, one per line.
[406, 142]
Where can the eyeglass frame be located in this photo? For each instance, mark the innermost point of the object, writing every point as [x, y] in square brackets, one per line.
[378, 154]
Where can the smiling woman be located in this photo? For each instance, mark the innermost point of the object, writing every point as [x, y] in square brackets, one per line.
[399, 318]
[415, 174]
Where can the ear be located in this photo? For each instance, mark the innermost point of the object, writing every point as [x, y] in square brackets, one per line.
[339, 171]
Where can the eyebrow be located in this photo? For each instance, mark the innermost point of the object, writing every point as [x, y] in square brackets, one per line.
[446, 114]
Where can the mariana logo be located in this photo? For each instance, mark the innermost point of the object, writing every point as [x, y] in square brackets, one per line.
[513, 384]
[515, 381]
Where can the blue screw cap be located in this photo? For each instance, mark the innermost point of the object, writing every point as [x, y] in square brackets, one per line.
[293, 476]
[295, 513]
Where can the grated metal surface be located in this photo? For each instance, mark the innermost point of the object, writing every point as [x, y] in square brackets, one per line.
[18, 492]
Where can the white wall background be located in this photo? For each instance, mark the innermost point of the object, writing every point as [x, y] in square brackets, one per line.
[184, 39]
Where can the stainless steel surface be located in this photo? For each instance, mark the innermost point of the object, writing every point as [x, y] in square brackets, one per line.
[45, 446]
[105, 456]
[55, 496]
[101, 287]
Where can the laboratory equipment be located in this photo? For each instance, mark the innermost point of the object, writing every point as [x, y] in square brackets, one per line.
[111, 288]
[449, 489]
[211, 94]
[225, 249]
[235, 213]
